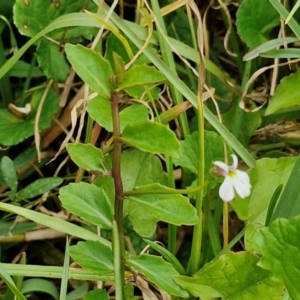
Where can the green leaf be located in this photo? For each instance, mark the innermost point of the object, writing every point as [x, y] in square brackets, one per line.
[9, 173]
[213, 151]
[79, 292]
[97, 257]
[96, 295]
[288, 204]
[106, 183]
[168, 256]
[39, 285]
[267, 175]
[249, 123]
[99, 110]
[143, 222]
[286, 94]
[114, 45]
[119, 67]
[11, 228]
[235, 276]
[10, 283]
[52, 61]
[53, 272]
[31, 17]
[65, 275]
[273, 204]
[280, 246]
[15, 130]
[140, 168]
[54, 223]
[39, 187]
[206, 292]
[158, 271]
[282, 53]
[88, 202]
[267, 46]
[86, 156]
[135, 33]
[21, 69]
[152, 137]
[141, 92]
[140, 75]
[253, 23]
[190, 151]
[129, 292]
[132, 114]
[175, 209]
[92, 68]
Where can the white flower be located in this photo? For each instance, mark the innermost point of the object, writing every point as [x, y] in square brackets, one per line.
[235, 180]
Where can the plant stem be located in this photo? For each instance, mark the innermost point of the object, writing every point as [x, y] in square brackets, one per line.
[177, 97]
[225, 224]
[166, 191]
[194, 262]
[118, 263]
[172, 229]
[116, 174]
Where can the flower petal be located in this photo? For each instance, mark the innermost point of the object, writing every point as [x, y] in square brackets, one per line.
[242, 176]
[224, 168]
[226, 191]
[241, 184]
[235, 162]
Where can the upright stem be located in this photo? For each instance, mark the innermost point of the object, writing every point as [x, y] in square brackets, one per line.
[119, 197]
[194, 262]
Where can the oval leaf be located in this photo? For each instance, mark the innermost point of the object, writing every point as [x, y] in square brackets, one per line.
[39, 187]
[88, 202]
[99, 110]
[97, 257]
[139, 75]
[9, 173]
[142, 221]
[152, 137]
[86, 156]
[92, 68]
[159, 272]
[174, 209]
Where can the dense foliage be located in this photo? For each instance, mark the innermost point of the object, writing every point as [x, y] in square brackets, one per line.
[149, 150]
